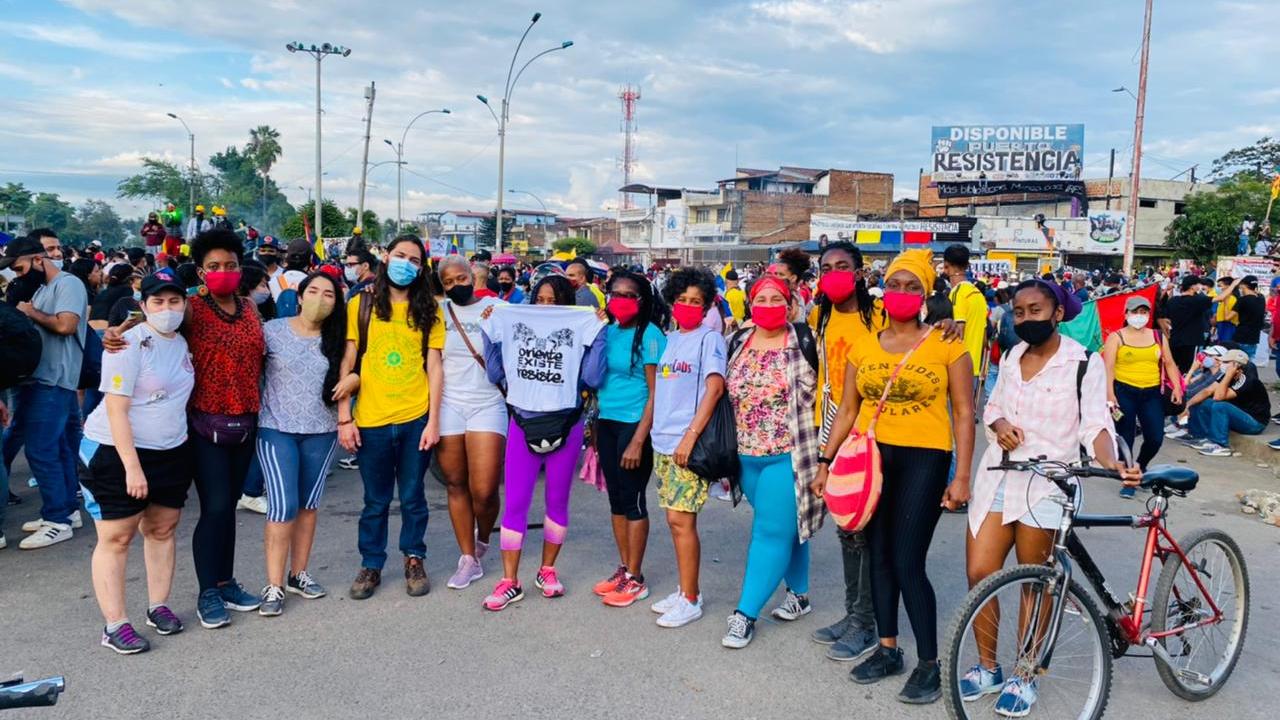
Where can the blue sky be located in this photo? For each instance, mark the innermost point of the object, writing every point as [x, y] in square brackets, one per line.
[85, 86]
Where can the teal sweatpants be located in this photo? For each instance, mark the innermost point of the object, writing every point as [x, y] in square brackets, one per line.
[775, 553]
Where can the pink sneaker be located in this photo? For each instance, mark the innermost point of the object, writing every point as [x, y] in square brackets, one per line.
[505, 593]
[548, 582]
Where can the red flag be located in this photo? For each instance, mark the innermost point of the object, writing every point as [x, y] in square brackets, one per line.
[306, 227]
[1111, 309]
[916, 237]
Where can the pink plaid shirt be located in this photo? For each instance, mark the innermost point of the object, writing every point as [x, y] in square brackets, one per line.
[1054, 422]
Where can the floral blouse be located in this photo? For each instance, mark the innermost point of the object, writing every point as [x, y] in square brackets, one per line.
[761, 394]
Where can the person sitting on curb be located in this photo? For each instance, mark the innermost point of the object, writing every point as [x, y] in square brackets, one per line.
[1239, 403]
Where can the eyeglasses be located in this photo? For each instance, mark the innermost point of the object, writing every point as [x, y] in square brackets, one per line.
[355, 263]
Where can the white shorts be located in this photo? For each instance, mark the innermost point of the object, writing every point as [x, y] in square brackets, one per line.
[460, 419]
[1046, 514]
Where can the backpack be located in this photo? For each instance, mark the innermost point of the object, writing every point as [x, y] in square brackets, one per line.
[91, 366]
[287, 303]
[1006, 336]
[20, 346]
[804, 336]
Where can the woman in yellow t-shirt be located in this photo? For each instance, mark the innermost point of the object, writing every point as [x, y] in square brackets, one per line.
[915, 434]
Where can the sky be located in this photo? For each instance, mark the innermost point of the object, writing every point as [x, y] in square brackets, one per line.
[85, 86]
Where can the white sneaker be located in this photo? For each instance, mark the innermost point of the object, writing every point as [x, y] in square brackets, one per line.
[1214, 450]
[1175, 432]
[719, 491]
[253, 504]
[683, 613]
[664, 605]
[3, 542]
[48, 534]
[31, 526]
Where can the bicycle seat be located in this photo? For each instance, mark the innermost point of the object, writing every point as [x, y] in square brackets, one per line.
[1174, 478]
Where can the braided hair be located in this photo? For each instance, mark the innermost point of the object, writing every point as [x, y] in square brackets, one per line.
[645, 291]
[866, 304]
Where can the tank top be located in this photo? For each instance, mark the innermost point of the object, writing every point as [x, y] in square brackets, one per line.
[1138, 366]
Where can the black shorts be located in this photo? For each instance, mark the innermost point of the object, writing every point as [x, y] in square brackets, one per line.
[168, 472]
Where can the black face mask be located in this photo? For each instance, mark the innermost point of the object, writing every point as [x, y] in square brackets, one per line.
[460, 294]
[1034, 332]
[269, 259]
[505, 286]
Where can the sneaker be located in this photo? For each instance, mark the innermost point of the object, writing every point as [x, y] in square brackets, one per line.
[416, 582]
[235, 597]
[367, 580]
[980, 681]
[1274, 445]
[627, 593]
[741, 630]
[1274, 418]
[211, 610]
[1176, 432]
[793, 607]
[664, 605]
[47, 534]
[924, 686]
[4, 543]
[272, 601]
[31, 526]
[1195, 443]
[1214, 450]
[125, 640]
[164, 621]
[504, 593]
[611, 583]
[1016, 698]
[857, 642]
[883, 663]
[719, 491]
[548, 582]
[830, 634]
[253, 504]
[1127, 492]
[468, 571]
[482, 548]
[349, 463]
[305, 585]
[681, 613]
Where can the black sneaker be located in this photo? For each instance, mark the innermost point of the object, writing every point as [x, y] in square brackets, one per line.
[882, 663]
[741, 630]
[924, 686]
[164, 621]
[125, 640]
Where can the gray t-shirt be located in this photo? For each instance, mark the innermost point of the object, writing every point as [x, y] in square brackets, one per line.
[682, 376]
[585, 298]
[293, 387]
[61, 355]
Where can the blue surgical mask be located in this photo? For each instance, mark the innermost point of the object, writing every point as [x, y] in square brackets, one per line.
[401, 272]
[137, 295]
[1209, 362]
[55, 262]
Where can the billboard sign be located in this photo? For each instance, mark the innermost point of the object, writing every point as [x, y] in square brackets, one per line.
[1007, 152]
[1106, 233]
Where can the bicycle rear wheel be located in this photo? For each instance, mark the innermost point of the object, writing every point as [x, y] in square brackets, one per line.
[1204, 656]
[1010, 612]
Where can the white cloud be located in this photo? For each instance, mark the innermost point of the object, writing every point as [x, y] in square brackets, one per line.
[250, 83]
[83, 37]
[878, 26]
[226, 83]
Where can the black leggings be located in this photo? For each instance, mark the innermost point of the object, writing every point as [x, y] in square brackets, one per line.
[898, 537]
[626, 487]
[220, 471]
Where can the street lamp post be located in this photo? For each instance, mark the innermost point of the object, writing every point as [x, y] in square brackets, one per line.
[535, 197]
[399, 151]
[191, 209]
[318, 52]
[505, 116]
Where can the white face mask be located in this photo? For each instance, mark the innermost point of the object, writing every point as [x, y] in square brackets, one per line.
[165, 321]
[351, 274]
[1137, 321]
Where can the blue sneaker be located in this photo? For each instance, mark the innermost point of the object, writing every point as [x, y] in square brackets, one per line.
[1274, 444]
[235, 597]
[1127, 492]
[1016, 698]
[211, 610]
[980, 681]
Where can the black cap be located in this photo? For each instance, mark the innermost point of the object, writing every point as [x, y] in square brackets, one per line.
[731, 275]
[161, 280]
[135, 254]
[20, 247]
[298, 246]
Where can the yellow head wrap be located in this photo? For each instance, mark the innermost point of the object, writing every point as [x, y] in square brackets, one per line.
[918, 263]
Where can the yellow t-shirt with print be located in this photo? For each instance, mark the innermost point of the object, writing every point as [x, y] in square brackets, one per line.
[393, 376]
[842, 333]
[970, 308]
[915, 414]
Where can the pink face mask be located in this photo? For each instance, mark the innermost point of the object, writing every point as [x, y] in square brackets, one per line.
[687, 316]
[902, 306]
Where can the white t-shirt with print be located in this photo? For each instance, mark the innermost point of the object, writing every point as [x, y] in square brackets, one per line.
[155, 372]
[542, 350]
[465, 382]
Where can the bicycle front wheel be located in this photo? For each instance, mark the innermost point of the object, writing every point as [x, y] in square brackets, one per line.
[1203, 655]
[998, 637]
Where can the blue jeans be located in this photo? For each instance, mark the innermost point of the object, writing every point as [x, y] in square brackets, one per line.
[389, 457]
[253, 481]
[1145, 406]
[1250, 349]
[48, 419]
[1215, 419]
[294, 466]
[1226, 331]
[12, 439]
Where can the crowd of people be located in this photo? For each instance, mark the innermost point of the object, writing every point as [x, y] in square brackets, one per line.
[249, 370]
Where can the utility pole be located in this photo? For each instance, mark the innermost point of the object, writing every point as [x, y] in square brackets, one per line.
[364, 165]
[1135, 176]
[318, 52]
[1111, 173]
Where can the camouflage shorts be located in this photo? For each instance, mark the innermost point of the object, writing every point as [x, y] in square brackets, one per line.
[678, 488]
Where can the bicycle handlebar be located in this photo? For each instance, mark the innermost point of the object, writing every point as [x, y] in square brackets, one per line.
[1059, 470]
[37, 693]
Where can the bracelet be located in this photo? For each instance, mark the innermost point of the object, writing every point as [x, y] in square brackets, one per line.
[345, 422]
[825, 460]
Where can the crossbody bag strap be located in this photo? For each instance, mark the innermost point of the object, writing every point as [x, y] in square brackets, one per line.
[884, 396]
[364, 314]
[462, 331]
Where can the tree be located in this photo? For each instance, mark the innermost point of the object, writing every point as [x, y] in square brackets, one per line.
[264, 148]
[15, 199]
[388, 229]
[582, 245]
[96, 220]
[240, 191]
[49, 210]
[1210, 224]
[370, 228]
[1260, 159]
[485, 235]
[335, 222]
[161, 181]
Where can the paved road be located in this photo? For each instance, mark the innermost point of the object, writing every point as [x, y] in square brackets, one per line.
[442, 655]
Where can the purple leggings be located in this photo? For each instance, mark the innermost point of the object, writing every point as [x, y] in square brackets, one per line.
[522, 465]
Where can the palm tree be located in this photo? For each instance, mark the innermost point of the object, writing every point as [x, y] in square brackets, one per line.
[264, 148]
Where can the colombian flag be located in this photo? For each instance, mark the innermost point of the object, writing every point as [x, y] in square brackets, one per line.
[1099, 318]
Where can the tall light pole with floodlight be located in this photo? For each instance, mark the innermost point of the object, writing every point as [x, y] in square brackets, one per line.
[318, 52]
[191, 209]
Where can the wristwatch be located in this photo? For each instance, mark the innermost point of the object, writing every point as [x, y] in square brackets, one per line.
[824, 460]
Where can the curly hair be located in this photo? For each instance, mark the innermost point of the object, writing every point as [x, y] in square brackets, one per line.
[422, 304]
[688, 277]
[560, 287]
[216, 239]
[796, 260]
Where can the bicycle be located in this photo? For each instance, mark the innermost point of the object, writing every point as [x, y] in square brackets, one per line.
[1061, 646]
[14, 693]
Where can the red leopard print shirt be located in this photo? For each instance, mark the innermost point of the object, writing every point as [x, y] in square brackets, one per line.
[227, 353]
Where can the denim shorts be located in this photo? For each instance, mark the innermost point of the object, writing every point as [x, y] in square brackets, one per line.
[1046, 514]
